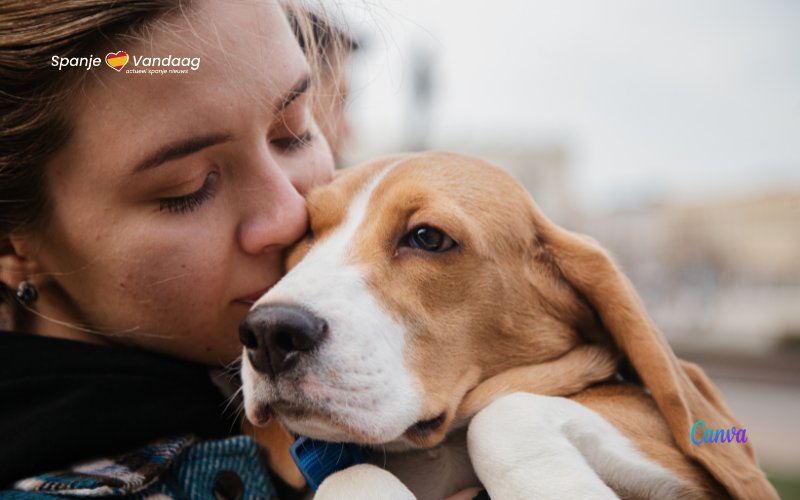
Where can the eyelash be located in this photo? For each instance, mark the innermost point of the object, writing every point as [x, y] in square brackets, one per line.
[193, 201]
[295, 141]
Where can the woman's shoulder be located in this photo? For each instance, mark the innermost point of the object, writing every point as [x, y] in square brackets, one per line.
[177, 467]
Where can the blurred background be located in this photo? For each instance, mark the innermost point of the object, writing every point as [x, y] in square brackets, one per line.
[668, 131]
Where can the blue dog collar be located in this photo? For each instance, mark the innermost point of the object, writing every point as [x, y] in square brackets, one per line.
[319, 459]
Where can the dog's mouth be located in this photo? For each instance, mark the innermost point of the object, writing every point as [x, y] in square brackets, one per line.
[424, 433]
[422, 430]
[297, 412]
[321, 425]
[263, 415]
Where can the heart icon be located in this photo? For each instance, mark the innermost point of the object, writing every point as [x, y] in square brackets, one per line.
[117, 60]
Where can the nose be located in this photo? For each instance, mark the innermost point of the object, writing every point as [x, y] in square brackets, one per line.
[277, 335]
[273, 217]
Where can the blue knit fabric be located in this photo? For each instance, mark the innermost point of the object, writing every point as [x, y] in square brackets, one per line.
[198, 468]
[180, 468]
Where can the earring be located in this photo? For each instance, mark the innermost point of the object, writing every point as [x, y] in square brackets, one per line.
[27, 293]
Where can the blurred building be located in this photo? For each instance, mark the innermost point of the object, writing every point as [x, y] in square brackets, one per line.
[541, 167]
[722, 275]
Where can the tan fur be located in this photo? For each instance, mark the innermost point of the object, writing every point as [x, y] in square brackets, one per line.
[626, 407]
[274, 440]
[569, 374]
[522, 304]
[681, 391]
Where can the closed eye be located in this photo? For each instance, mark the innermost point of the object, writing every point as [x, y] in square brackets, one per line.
[294, 142]
[192, 201]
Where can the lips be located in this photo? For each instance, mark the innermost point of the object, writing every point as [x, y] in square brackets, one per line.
[253, 297]
[424, 428]
[320, 424]
[263, 415]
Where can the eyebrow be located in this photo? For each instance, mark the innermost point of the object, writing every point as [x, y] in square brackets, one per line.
[179, 150]
[299, 89]
[185, 147]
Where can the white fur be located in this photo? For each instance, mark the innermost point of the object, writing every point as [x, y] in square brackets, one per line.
[530, 446]
[363, 482]
[526, 446]
[357, 377]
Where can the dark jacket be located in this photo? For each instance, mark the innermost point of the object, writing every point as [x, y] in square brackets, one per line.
[135, 423]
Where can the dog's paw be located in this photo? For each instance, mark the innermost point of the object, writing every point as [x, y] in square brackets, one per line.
[363, 482]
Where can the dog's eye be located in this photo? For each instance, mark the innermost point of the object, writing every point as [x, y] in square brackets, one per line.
[429, 239]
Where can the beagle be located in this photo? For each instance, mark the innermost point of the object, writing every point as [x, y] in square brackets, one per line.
[435, 315]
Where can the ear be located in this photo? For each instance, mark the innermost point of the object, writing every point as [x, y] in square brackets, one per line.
[16, 263]
[681, 391]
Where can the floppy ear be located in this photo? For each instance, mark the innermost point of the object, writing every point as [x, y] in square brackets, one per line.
[681, 391]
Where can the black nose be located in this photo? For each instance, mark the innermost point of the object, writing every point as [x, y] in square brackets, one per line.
[275, 336]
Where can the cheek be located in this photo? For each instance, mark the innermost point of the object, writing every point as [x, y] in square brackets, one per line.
[147, 279]
[439, 291]
[441, 352]
[173, 299]
[450, 309]
[175, 272]
[315, 168]
[169, 276]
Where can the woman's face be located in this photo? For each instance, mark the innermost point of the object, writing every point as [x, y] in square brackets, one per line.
[176, 195]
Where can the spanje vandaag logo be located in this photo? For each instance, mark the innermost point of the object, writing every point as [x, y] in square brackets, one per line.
[167, 65]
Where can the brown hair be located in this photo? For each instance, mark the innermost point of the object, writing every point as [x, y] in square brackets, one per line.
[327, 43]
[34, 96]
[321, 38]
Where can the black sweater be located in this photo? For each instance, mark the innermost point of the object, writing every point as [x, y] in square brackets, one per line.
[63, 402]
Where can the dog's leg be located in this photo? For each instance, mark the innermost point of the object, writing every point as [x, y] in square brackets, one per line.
[571, 373]
[530, 446]
[362, 482]
[519, 452]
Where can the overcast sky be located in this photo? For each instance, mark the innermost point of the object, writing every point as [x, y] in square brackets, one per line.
[679, 99]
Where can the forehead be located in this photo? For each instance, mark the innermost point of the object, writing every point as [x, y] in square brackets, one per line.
[478, 197]
[248, 56]
[468, 182]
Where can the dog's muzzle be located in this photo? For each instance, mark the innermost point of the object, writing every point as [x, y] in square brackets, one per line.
[276, 336]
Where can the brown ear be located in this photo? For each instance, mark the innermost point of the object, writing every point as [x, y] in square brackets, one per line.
[681, 391]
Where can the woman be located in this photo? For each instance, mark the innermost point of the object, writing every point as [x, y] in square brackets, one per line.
[143, 211]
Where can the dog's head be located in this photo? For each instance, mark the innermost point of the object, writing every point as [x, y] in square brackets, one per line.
[424, 275]
[421, 277]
